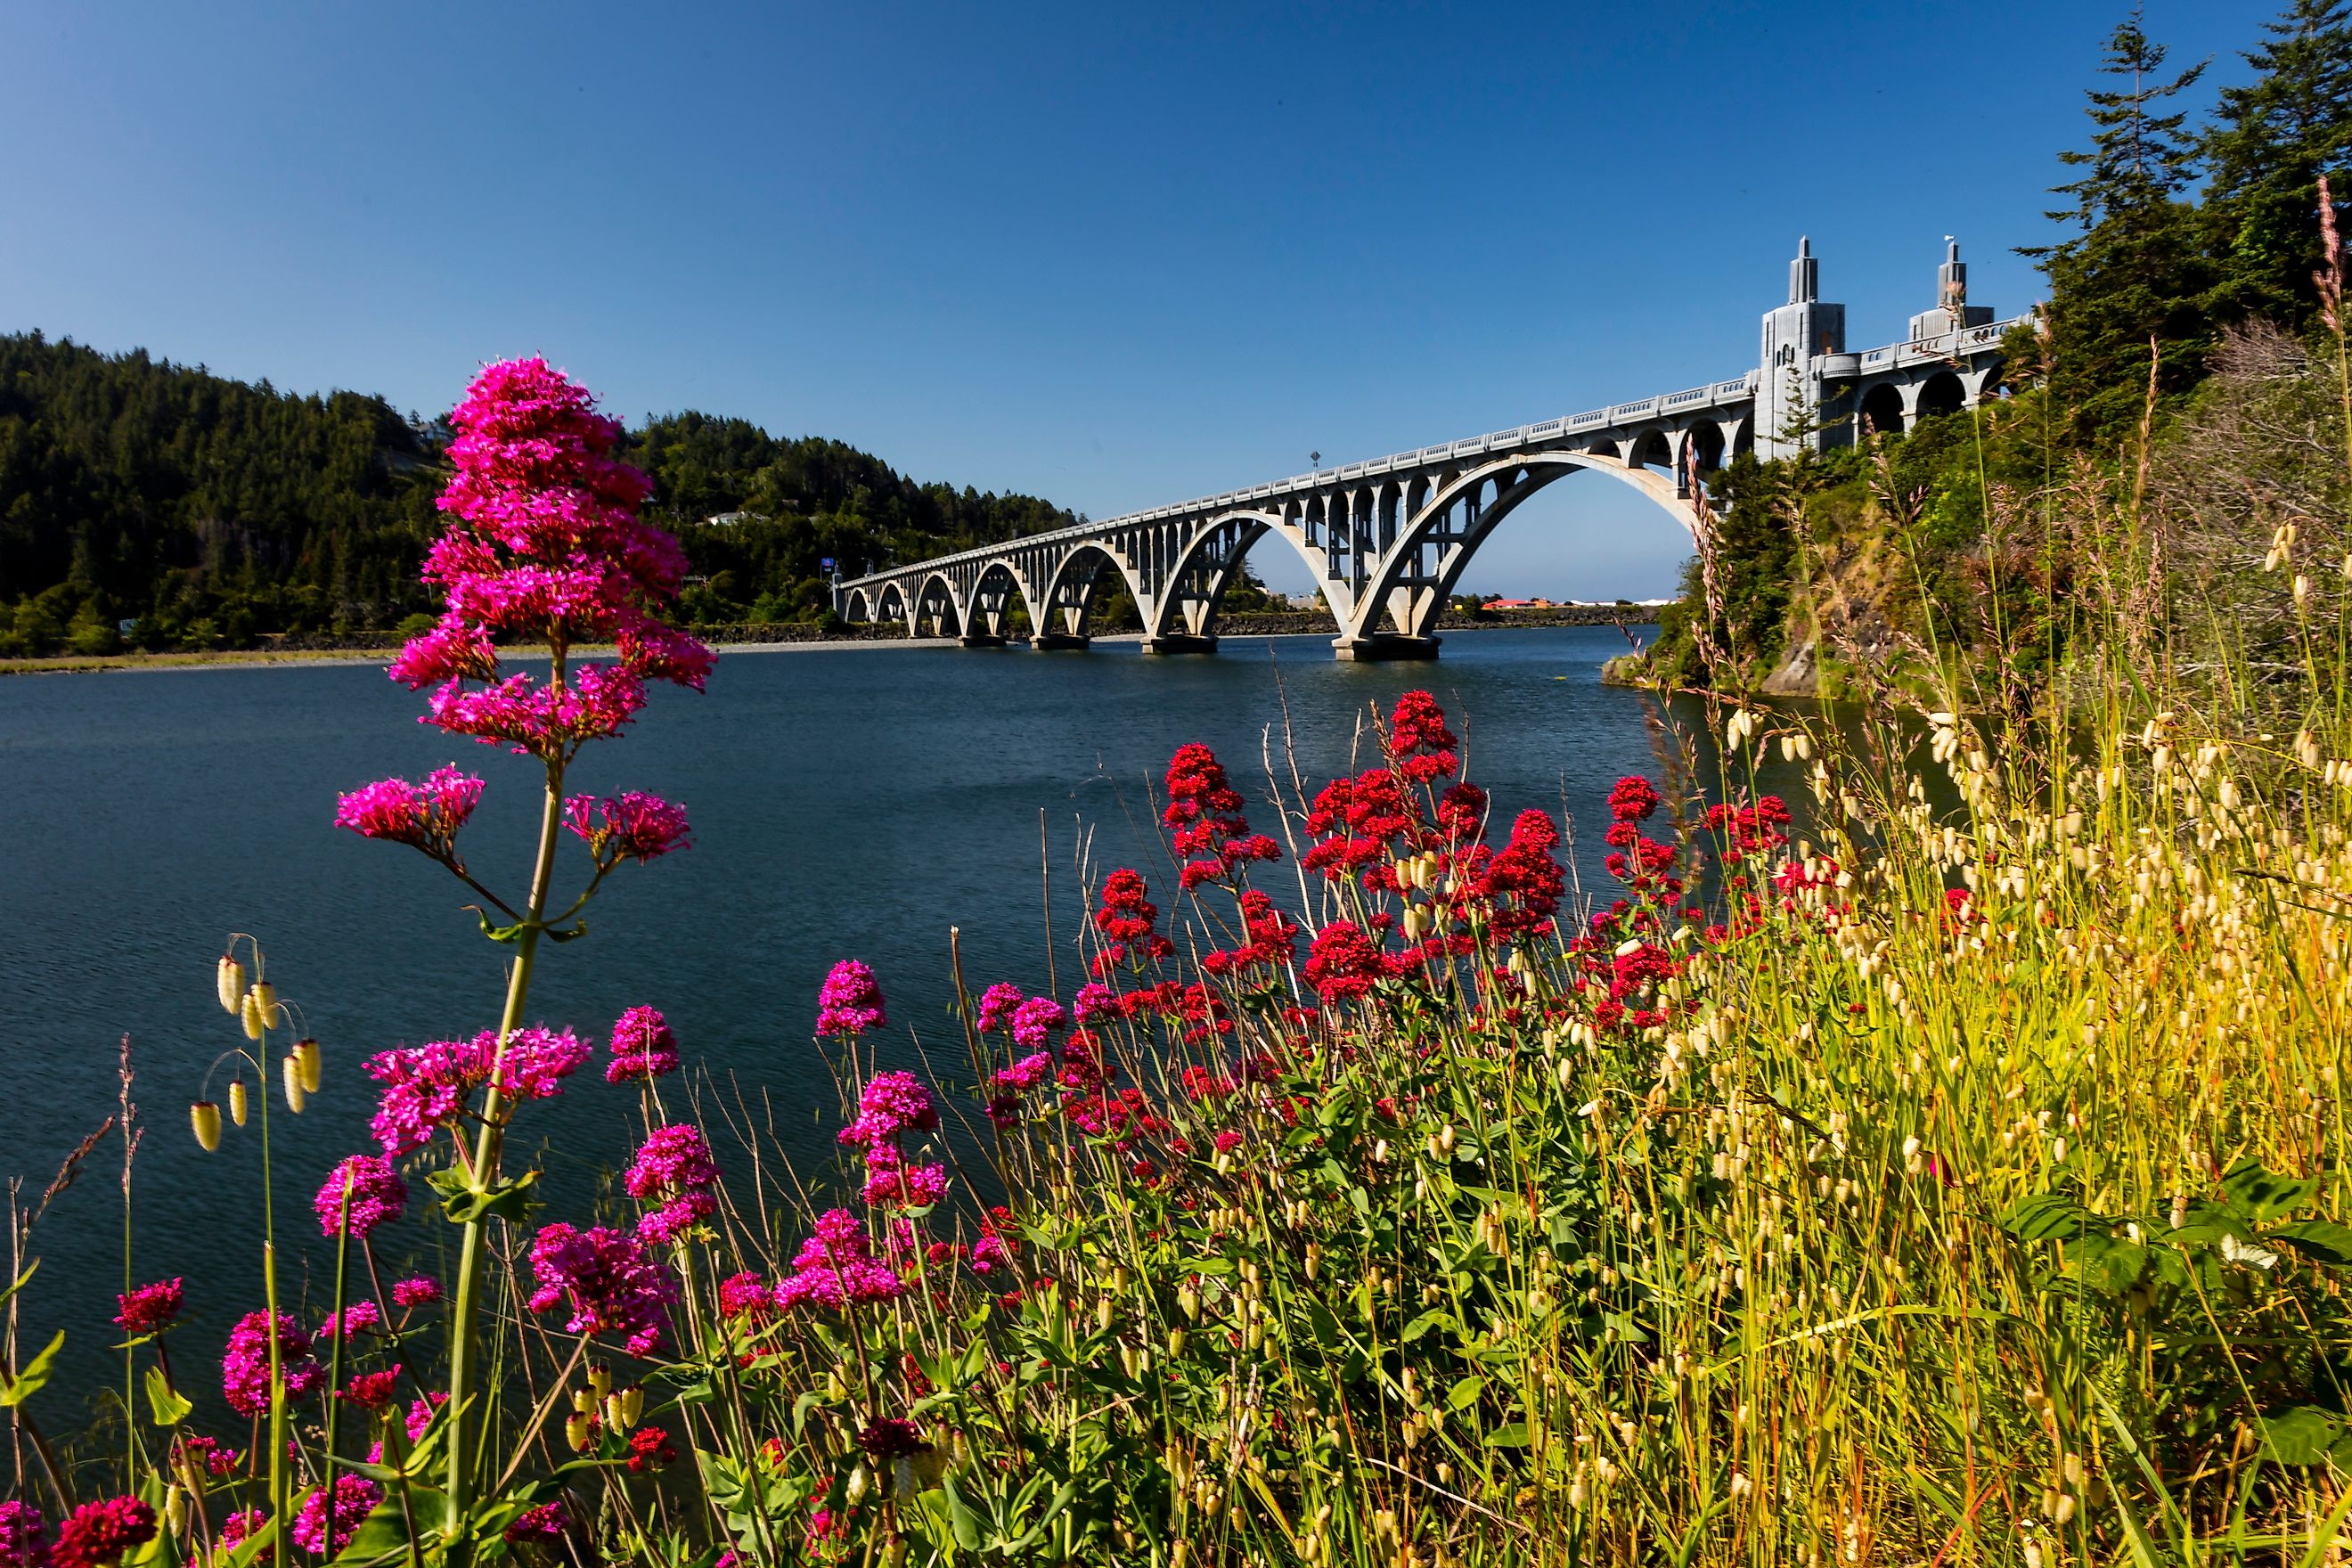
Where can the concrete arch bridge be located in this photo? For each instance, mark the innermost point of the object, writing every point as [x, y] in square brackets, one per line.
[1386, 541]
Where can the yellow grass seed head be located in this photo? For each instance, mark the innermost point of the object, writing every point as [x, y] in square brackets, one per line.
[292, 1079]
[237, 1101]
[307, 1052]
[230, 978]
[203, 1116]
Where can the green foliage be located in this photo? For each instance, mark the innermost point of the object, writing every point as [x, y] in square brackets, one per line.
[2270, 142]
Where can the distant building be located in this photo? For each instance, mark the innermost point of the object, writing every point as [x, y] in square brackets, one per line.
[1537, 604]
[729, 519]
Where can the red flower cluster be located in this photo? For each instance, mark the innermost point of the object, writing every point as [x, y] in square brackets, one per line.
[1129, 924]
[1749, 830]
[1522, 883]
[650, 1450]
[1344, 963]
[149, 1308]
[1205, 816]
[1273, 938]
[1355, 820]
[1639, 861]
[1419, 741]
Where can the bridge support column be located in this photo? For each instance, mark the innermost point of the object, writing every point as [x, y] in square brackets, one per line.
[1383, 646]
[1179, 642]
[1058, 642]
[980, 639]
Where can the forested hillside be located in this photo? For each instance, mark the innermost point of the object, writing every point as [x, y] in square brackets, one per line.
[210, 512]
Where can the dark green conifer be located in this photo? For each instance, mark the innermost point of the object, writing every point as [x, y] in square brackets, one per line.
[2270, 143]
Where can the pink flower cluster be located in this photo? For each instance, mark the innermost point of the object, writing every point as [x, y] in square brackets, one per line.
[97, 1534]
[1204, 820]
[850, 1003]
[423, 1290]
[894, 1104]
[426, 814]
[144, 1310]
[674, 1170]
[359, 1318]
[643, 1048]
[245, 1366]
[628, 826]
[612, 1286]
[23, 1536]
[545, 542]
[426, 1087]
[377, 1196]
[327, 1518]
[837, 1269]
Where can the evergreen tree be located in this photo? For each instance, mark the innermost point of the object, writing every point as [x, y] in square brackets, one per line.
[2136, 271]
[2271, 142]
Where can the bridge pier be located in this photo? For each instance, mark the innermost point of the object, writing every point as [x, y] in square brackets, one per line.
[980, 639]
[1058, 642]
[1179, 642]
[1383, 646]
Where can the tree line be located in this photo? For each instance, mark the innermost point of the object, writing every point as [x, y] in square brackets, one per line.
[157, 505]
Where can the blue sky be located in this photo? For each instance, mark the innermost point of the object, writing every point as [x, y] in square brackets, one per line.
[1111, 256]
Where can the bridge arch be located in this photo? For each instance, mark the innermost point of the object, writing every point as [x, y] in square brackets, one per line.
[1882, 409]
[1212, 558]
[891, 606]
[938, 601]
[991, 593]
[860, 608]
[1077, 581]
[1410, 590]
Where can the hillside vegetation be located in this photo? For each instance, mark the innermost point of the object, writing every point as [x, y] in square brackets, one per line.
[213, 513]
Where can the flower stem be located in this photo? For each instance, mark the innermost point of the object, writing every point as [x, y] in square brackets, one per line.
[465, 1423]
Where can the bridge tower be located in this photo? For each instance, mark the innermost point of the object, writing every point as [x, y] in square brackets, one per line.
[1797, 337]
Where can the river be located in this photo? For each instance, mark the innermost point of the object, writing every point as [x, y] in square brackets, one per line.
[845, 801]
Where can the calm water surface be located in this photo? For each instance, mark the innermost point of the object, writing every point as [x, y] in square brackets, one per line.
[845, 801]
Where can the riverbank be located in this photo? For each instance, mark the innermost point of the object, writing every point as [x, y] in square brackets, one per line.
[788, 639]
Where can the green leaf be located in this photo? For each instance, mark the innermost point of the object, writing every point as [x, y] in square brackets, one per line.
[2321, 1240]
[20, 1280]
[497, 934]
[578, 929]
[382, 1536]
[1466, 1392]
[511, 1200]
[960, 1519]
[2104, 1264]
[2261, 1194]
[2300, 1434]
[2047, 1216]
[1514, 1436]
[168, 1407]
[32, 1375]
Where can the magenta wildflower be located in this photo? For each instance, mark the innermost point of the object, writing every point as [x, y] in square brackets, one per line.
[850, 1000]
[359, 1318]
[23, 1536]
[1036, 1021]
[544, 543]
[377, 1196]
[148, 1309]
[421, 1413]
[894, 1103]
[744, 1295]
[836, 1268]
[613, 1287]
[989, 1253]
[1095, 1000]
[421, 1290]
[426, 814]
[245, 1367]
[633, 826]
[240, 1527]
[674, 1167]
[97, 1534]
[426, 1087]
[892, 1184]
[997, 1004]
[1027, 1073]
[643, 1048]
[353, 1499]
[543, 1523]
